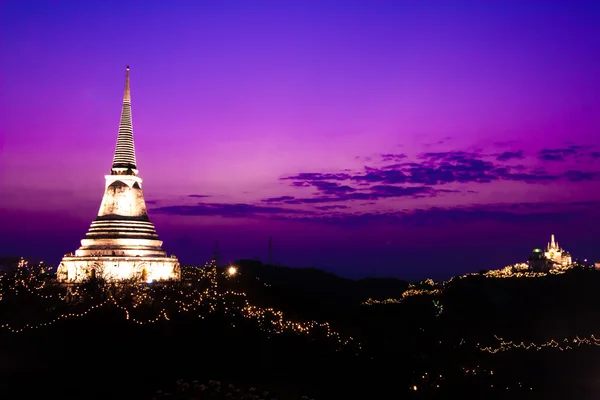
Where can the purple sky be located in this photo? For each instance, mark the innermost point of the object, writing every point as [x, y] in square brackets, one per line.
[400, 138]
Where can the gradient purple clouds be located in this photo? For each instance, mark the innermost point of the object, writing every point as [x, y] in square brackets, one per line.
[368, 138]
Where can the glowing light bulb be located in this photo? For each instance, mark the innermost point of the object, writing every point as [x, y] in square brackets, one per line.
[232, 271]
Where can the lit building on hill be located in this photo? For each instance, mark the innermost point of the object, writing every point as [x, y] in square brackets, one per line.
[557, 255]
[122, 242]
[552, 257]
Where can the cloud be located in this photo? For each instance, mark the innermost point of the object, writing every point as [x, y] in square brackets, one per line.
[249, 210]
[518, 214]
[428, 175]
[237, 210]
[277, 199]
[332, 188]
[374, 184]
[579, 176]
[316, 176]
[318, 199]
[393, 157]
[374, 193]
[562, 154]
[510, 155]
[335, 214]
[332, 207]
[300, 184]
[538, 176]
[437, 168]
[198, 196]
[383, 191]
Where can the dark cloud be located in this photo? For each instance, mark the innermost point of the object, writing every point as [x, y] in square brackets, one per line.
[518, 214]
[333, 192]
[393, 157]
[277, 199]
[237, 210]
[374, 193]
[332, 188]
[389, 167]
[198, 196]
[383, 175]
[562, 154]
[300, 184]
[316, 176]
[538, 176]
[332, 207]
[410, 178]
[453, 167]
[579, 176]
[318, 199]
[511, 155]
[151, 202]
[456, 156]
[424, 177]
[398, 191]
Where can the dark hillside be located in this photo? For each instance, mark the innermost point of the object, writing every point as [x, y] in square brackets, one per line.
[289, 331]
[313, 293]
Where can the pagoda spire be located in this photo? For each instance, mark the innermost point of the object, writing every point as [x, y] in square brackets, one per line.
[125, 150]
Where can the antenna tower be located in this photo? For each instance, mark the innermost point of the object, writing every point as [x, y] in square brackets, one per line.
[270, 250]
[217, 255]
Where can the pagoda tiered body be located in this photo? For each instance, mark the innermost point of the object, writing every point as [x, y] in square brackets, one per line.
[122, 242]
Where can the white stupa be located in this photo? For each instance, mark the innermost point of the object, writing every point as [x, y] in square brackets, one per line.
[122, 242]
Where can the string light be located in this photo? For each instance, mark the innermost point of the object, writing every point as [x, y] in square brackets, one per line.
[214, 389]
[439, 308]
[429, 287]
[562, 345]
[199, 295]
[425, 381]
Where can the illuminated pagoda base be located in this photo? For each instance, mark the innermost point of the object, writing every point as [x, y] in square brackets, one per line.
[122, 243]
[77, 269]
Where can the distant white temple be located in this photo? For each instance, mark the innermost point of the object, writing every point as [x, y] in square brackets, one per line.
[122, 242]
[557, 255]
[552, 257]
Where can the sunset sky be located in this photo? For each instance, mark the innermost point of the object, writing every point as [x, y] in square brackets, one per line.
[376, 138]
